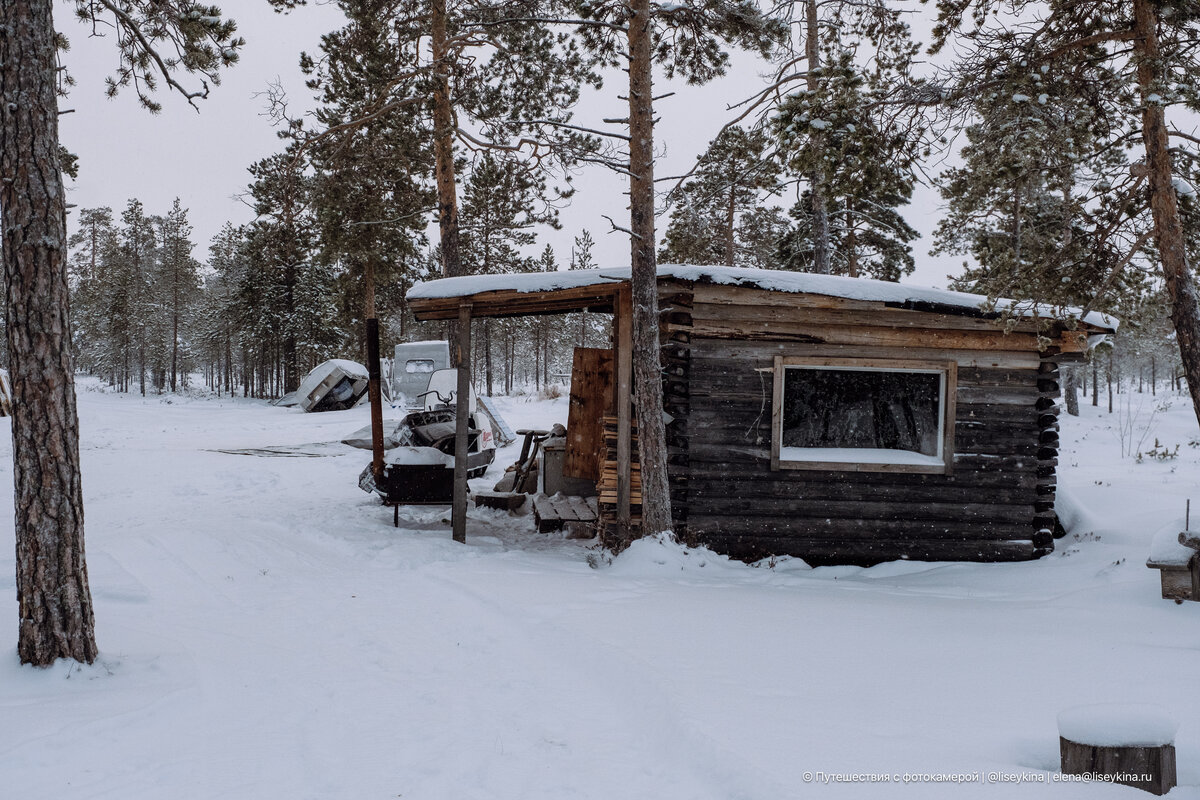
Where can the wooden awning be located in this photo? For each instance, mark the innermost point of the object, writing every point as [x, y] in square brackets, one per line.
[595, 294]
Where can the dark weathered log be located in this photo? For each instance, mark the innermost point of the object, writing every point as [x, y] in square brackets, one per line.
[759, 315]
[864, 553]
[704, 348]
[853, 529]
[1151, 769]
[969, 472]
[869, 511]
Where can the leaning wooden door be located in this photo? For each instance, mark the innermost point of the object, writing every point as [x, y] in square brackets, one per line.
[591, 400]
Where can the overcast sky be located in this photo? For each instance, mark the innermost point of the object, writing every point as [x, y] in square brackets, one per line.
[202, 158]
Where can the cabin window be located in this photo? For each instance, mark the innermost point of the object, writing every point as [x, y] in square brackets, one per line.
[863, 415]
[418, 365]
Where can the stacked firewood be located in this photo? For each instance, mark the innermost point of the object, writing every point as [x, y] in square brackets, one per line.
[607, 485]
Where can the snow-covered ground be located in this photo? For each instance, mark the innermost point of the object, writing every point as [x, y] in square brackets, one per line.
[266, 633]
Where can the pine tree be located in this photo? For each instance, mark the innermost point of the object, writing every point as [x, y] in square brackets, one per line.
[178, 281]
[156, 39]
[1147, 50]
[92, 247]
[372, 192]
[587, 324]
[829, 35]
[1020, 205]
[728, 182]
[581, 254]
[217, 320]
[835, 137]
[502, 202]
[485, 75]
[685, 40]
[133, 277]
[287, 293]
[760, 234]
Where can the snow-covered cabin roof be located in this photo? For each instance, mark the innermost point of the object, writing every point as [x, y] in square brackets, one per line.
[515, 294]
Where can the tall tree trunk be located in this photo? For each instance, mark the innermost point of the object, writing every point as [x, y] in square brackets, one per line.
[1095, 379]
[1071, 390]
[647, 369]
[1108, 374]
[487, 353]
[291, 362]
[1018, 231]
[1168, 228]
[851, 246]
[820, 212]
[174, 327]
[443, 152]
[730, 218]
[55, 603]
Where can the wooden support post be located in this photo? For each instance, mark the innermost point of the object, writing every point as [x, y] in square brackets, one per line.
[624, 383]
[375, 396]
[462, 411]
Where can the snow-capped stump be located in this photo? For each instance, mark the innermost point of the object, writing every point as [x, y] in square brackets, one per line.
[1131, 744]
[1176, 556]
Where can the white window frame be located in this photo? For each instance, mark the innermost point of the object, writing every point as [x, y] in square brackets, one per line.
[941, 464]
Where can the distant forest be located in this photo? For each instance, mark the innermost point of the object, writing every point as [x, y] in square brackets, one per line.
[1051, 199]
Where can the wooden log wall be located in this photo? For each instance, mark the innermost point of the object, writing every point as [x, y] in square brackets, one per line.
[719, 345]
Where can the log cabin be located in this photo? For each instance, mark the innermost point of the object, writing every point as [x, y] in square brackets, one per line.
[838, 420]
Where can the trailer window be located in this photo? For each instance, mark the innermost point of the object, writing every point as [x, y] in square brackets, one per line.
[863, 415]
[418, 365]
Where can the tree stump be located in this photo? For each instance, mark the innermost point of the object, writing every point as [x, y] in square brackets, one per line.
[1132, 745]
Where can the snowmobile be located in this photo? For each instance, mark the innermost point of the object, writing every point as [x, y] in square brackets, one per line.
[418, 463]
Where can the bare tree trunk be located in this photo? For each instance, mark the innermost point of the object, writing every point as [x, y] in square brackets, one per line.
[443, 151]
[1109, 376]
[820, 212]
[55, 612]
[647, 369]
[1168, 228]
[1071, 390]
[851, 247]
[730, 218]
[1095, 379]
[174, 326]
[487, 353]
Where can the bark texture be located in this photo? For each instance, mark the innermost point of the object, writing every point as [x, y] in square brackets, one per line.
[52, 586]
[647, 368]
[820, 211]
[1164, 205]
[443, 153]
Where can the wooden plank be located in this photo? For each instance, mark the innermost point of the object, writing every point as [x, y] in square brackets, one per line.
[970, 470]
[750, 488]
[837, 551]
[869, 509]
[762, 352]
[458, 516]
[511, 303]
[591, 400]
[740, 296]
[870, 336]
[858, 529]
[824, 315]
[623, 323]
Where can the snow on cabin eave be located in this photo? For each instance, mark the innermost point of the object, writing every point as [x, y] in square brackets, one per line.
[441, 293]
